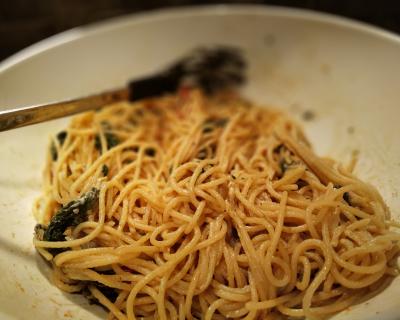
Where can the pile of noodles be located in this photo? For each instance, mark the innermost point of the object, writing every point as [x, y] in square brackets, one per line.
[210, 208]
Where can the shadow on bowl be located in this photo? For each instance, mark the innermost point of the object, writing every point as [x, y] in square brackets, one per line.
[77, 299]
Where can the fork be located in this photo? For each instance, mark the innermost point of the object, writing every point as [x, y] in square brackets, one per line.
[211, 69]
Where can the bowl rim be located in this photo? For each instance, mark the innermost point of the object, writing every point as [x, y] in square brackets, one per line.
[193, 10]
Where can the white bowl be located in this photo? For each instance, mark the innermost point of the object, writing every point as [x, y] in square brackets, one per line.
[346, 72]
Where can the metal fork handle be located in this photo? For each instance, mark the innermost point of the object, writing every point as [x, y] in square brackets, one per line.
[21, 117]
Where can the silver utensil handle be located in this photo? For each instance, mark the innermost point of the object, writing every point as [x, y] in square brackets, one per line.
[24, 116]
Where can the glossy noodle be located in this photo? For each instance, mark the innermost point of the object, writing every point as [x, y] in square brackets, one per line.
[188, 207]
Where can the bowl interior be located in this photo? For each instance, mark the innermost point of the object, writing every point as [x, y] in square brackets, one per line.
[346, 74]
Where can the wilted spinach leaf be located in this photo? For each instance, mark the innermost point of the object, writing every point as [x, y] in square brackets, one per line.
[346, 197]
[150, 152]
[284, 165]
[61, 136]
[72, 214]
[210, 124]
[104, 170]
[110, 293]
[111, 141]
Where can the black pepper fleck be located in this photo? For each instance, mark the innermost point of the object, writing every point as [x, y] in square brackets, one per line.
[308, 115]
[151, 152]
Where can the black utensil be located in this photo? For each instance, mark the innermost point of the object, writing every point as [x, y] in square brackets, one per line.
[210, 69]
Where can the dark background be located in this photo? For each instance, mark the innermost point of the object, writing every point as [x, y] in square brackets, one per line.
[23, 22]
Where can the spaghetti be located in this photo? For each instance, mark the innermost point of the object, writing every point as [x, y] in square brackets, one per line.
[188, 207]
